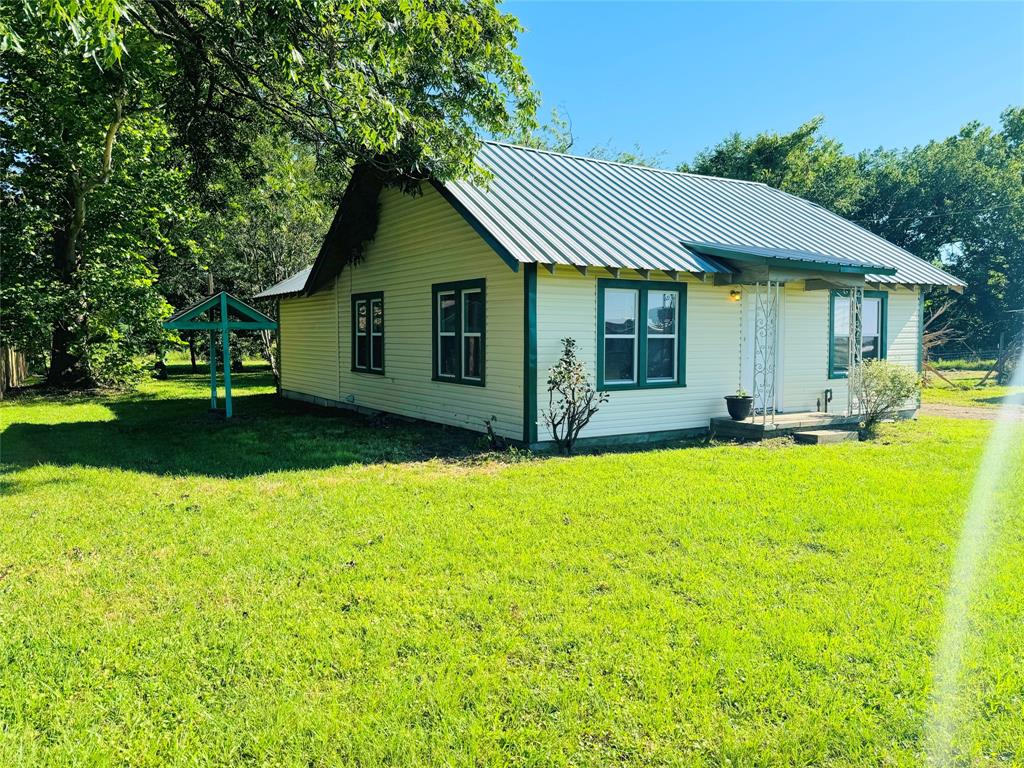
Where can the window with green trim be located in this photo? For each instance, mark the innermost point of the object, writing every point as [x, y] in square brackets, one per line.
[874, 311]
[459, 330]
[641, 334]
[368, 332]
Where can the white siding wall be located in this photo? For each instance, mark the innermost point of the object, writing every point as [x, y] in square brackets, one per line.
[807, 339]
[567, 306]
[309, 344]
[421, 241]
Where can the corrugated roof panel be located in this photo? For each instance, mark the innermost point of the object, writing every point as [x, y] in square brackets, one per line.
[552, 208]
[294, 284]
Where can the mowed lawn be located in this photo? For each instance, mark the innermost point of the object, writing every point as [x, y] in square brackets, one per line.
[306, 588]
[966, 393]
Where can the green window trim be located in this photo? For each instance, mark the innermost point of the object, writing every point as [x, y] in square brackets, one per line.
[368, 299]
[883, 323]
[643, 288]
[459, 288]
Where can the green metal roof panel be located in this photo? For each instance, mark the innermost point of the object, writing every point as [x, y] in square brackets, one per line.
[552, 208]
[290, 285]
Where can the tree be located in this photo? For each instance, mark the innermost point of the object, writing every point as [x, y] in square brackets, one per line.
[803, 163]
[958, 202]
[403, 85]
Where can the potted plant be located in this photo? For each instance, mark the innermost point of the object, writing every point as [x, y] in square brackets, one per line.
[739, 405]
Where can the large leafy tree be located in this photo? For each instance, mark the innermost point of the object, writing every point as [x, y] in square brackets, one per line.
[959, 202]
[802, 162]
[405, 85]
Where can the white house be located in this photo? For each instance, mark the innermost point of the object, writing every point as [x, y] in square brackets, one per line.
[450, 305]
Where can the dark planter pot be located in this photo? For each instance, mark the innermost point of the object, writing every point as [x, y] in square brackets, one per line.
[739, 407]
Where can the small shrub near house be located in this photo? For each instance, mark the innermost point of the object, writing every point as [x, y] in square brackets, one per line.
[572, 399]
[884, 390]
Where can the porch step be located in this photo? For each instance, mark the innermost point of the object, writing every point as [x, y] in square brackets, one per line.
[822, 436]
[784, 424]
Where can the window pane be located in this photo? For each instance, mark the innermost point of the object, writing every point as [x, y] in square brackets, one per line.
[620, 311]
[870, 317]
[471, 357]
[618, 360]
[447, 312]
[661, 359]
[841, 353]
[361, 317]
[377, 318]
[377, 353]
[661, 312]
[473, 312]
[448, 359]
[841, 316]
[362, 349]
[870, 347]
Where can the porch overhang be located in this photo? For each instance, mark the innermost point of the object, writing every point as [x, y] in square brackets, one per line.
[754, 263]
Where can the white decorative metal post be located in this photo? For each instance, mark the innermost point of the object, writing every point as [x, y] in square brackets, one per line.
[766, 343]
[855, 358]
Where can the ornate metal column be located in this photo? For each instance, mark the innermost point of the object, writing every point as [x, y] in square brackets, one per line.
[856, 354]
[766, 344]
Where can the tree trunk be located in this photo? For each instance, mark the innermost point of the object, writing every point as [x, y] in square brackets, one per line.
[69, 363]
[192, 351]
[69, 368]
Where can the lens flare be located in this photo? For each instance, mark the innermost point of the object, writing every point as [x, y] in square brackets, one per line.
[975, 538]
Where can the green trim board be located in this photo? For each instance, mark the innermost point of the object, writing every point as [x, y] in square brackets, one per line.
[883, 327]
[643, 287]
[530, 354]
[460, 288]
[369, 299]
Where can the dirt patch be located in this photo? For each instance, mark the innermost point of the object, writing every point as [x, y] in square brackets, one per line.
[1012, 412]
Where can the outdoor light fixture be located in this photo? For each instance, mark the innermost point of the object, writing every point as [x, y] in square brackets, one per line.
[735, 295]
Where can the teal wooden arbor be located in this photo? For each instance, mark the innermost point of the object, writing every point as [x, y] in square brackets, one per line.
[221, 309]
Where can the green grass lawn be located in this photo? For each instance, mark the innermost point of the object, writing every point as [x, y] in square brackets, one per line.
[306, 588]
[965, 392]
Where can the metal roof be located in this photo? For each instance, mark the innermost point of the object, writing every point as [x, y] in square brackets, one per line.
[553, 208]
[294, 284]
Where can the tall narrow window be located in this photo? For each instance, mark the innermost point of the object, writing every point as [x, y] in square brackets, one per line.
[874, 309]
[620, 331]
[640, 334]
[368, 332]
[460, 319]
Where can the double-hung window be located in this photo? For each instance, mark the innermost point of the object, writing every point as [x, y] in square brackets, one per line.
[874, 310]
[459, 327]
[641, 334]
[368, 332]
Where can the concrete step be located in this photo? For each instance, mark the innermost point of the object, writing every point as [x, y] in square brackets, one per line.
[822, 436]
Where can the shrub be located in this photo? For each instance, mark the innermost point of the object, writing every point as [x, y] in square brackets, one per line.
[883, 389]
[572, 399]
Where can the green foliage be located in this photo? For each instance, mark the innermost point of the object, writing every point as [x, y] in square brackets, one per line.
[883, 390]
[572, 399]
[803, 163]
[149, 141]
[297, 590]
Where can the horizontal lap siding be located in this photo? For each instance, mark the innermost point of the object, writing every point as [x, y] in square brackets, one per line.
[421, 241]
[805, 350]
[309, 344]
[567, 307]
[807, 340]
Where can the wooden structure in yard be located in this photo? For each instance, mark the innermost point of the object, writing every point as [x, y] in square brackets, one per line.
[224, 313]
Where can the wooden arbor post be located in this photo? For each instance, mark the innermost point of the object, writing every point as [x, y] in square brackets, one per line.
[190, 319]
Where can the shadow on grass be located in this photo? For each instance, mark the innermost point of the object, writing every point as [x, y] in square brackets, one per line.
[168, 436]
[1013, 399]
